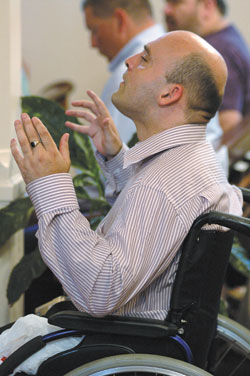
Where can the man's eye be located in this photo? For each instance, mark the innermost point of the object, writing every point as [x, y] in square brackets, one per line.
[143, 58]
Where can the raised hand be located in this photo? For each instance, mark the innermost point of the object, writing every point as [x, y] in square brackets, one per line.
[101, 127]
[41, 156]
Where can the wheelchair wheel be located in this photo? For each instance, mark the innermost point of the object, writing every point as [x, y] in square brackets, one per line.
[138, 364]
[228, 327]
[233, 348]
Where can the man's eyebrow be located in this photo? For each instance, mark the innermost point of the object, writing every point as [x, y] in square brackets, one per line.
[146, 48]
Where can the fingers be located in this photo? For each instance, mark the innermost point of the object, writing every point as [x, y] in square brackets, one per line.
[64, 147]
[27, 132]
[101, 108]
[81, 114]
[47, 140]
[78, 128]
[85, 104]
[44, 159]
[29, 128]
[22, 137]
[15, 152]
[98, 108]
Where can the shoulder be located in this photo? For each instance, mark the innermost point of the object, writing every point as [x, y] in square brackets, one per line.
[182, 172]
[229, 42]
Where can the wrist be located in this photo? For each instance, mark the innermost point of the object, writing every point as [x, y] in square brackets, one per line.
[110, 156]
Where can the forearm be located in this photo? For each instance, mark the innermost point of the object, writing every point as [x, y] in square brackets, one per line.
[77, 255]
[80, 259]
[229, 119]
[116, 176]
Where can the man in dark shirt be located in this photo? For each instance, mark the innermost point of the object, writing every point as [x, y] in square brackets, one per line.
[207, 19]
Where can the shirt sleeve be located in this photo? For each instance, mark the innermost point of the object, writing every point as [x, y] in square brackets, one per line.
[115, 175]
[232, 47]
[236, 101]
[233, 98]
[102, 270]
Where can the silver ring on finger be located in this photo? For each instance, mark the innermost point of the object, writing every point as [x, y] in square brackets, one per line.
[34, 143]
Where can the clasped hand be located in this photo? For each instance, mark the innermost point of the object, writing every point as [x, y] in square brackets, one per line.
[41, 157]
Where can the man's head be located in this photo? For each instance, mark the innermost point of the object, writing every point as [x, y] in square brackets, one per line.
[112, 23]
[177, 79]
[198, 16]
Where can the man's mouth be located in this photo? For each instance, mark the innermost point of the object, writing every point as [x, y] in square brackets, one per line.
[171, 24]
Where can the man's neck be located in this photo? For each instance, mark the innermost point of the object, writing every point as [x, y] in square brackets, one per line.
[146, 131]
[136, 29]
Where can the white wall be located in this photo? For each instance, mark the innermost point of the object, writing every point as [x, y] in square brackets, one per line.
[56, 46]
[11, 183]
[56, 43]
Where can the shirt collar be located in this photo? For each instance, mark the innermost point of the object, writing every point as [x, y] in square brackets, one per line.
[129, 49]
[177, 136]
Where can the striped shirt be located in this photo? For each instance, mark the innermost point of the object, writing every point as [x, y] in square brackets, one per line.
[128, 265]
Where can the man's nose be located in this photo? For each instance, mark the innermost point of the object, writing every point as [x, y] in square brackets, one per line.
[131, 61]
[168, 8]
[128, 63]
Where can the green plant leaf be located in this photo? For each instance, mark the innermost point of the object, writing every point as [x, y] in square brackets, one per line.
[29, 268]
[240, 258]
[89, 162]
[223, 309]
[133, 140]
[14, 217]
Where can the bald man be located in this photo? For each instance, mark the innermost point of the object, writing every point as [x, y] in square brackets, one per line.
[158, 188]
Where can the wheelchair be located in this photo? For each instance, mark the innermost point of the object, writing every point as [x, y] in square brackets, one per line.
[184, 344]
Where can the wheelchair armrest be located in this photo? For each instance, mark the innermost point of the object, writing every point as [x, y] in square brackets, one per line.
[112, 324]
[233, 222]
[246, 194]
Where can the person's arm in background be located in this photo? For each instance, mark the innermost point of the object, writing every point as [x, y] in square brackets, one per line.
[229, 119]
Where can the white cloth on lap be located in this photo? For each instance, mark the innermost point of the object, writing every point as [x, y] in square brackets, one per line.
[22, 331]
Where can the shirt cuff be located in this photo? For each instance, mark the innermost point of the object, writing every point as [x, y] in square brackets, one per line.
[53, 192]
[114, 163]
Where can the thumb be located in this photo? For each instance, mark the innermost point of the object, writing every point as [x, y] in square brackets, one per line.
[64, 147]
[105, 124]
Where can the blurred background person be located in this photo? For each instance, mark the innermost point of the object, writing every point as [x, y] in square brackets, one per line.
[119, 29]
[208, 19]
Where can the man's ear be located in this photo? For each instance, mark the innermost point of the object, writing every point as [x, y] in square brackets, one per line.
[208, 7]
[170, 94]
[121, 17]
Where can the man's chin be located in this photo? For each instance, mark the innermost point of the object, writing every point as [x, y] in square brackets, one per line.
[115, 98]
[119, 103]
[171, 26]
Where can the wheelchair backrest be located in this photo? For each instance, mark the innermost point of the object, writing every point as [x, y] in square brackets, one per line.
[197, 288]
